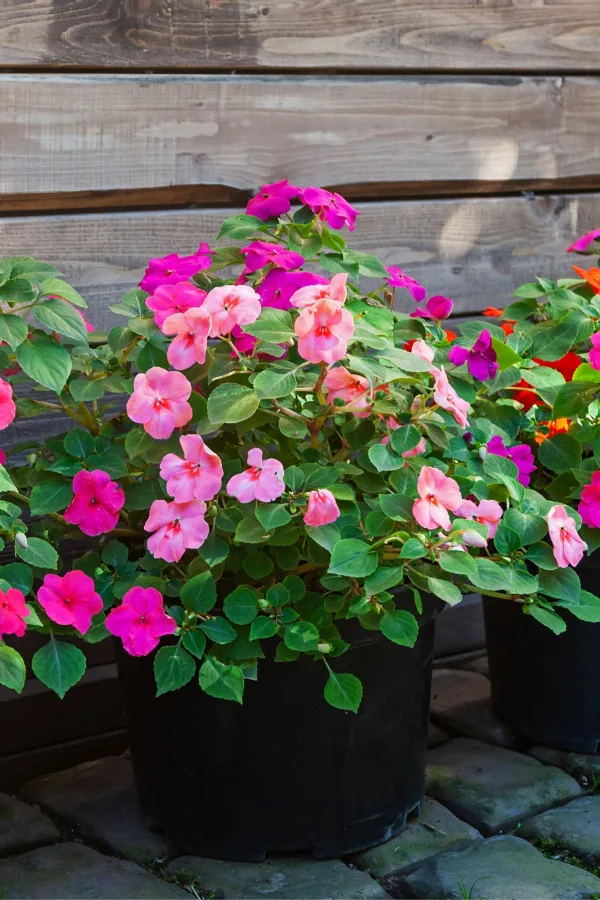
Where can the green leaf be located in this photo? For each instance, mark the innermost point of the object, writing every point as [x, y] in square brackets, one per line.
[396, 507]
[548, 618]
[6, 482]
[506, 540]
[239, 227]
[292, 428]
[504, 471]
[445, 590]
[528, 291]
[199, 594]
[413, 549]
[221, 681]
[58, 665]
[560, 453]
[115, 554]
[250, 531]
[384, 458]
[38, 553]
[408, 362]
[257, 565]
[505, 355]
[551, 342]
[301, 636]
[325, 536]
[586, 607]
[405, 438]
[541, 554]
[272, 515]
[83, 390]
[138, 443]
[353, 558]
[13, 330]
[294, 478]
[50, 496]
[142, 494]
[214, 550]
[586, 373]
[173, 667]
[401, 627]
[274, 326]
[343, 691]
[18, 576]
[45, 361]
[573, 398]
[151, 355]
[58, 315]
[383, 579]
[219, 630]
[543, 377]
[531, 528]
[262, 627]
[458, 563]
[230, 403]
[562, 584]
[241, 605]
[60, 288]
[12, 669]
[195, 643]
[79, 443]
[273, 382]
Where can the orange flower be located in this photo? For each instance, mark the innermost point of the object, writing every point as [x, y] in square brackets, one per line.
[450, 335]
[493, 311]
[559, 426]
[507, 327]
[591, 275]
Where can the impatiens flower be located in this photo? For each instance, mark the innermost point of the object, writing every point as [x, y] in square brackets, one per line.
[595, 351]
[487, 512]
[191, 330]
[272, 200]
[8, 410]
[520, 455]
[88, 326]
[591, 275]
[324, 330]
[330, 207]
[159, 402]
[96, 504]
[480, 359]
[422, 349]
[400, 279]
[446, 397]
[493, 311]
[334, 290]
[321, 508]
[263, 480]
[2, 457]
[437, 308]
[260, 253]
[279, 286]
[173, 268]
[581, 245]
[140, 621]
[13, 612]
[589, 506]
[557, 426]
[437, 494]
[352, 389]
[567, 365]
[70, 599]
[567, 546]
[174, 298]
[449, 335]
[231, 305]
[415, 451]
[177, 527]
[197, 476]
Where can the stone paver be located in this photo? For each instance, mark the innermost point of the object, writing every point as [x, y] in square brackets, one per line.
[437, 736]
[502, 868]
[575, 827]
[480, 665]
[280, 878]
[461, 701]
[98, 799]
[585, 767]
[23, 827]
[492, 788]
[75, 872]
[436, 830]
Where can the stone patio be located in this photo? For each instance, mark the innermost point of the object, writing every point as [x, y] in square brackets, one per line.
[501, 821]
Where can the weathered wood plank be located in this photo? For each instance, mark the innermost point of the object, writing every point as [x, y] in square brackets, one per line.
[99, 132]
[436, 34]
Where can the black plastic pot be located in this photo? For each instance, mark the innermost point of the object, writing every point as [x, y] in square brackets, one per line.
[547, 686]
[285, 771]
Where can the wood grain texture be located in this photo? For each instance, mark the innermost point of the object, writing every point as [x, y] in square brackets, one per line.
[535, 35]
[100, 132]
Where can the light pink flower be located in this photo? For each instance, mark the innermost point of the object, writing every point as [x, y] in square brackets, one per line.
[352, 389]
[334, 290]
[262, 481]
[330, 207]
[177, 527]
[96, 504]
[488, 512]
[140, 621]
[70, 599]
[196, 477]
[8, 410]
[423, 350]
[272, 200]
[437, 494]
[231, 305]
[595, 351]
[13, 612]
[261, 253]
[582, 244]
[446, 397]
[174, 298]
[589, 507]
[567, 546]
[324, 330]
[159, 402]
[173, 268]
[191, 329]
[321, 508]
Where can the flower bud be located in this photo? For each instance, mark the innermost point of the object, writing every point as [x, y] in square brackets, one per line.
[31, 458]
[264, 604]
[324, 648]
[21, 540]
[483, 452]
[468, 437]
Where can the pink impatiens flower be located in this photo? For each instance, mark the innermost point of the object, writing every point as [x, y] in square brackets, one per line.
[88, 326]
[96, 504]
[437, 494]
[140, 621]
[595, 351]
[352, 389]
[582, 244]
[589, 506]
[8, 410]
[272, 200]
[196, 477]
[159, 402]
[174, 298]
[446, 397]
[330, 207]
[260, 253]
[279, 286]
[480, 359]
[487, 512]
[423, 350]
[324, 330]
[191, 331]
[173, 268]
[520, 455]
[70, 599]
[567, 546]
[437, 308]
[231, 305]
[177, 527]
[13, 612]
[400, 279]
[262, 481]
[334, 290]
[321, 508]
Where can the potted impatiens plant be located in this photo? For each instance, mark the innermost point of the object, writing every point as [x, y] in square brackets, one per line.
[281, 479]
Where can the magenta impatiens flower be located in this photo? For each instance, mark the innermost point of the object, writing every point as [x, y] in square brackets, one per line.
[263, 480]
[437, 495]
[324, 330]
[260, 254]
[159, 402]
[13, 612]
[140, 621]
[486, 512]
[191, 331]
[174, 298]
[177, 527]
[520, 455]
[446, 397]
[321, 508]
[333, 290]
[582, 244]
[589, 506]
[231, 305]
[352, 389]
[8, 409]
[272, 200]
[330, 207]
[400, 279]
[70, 599]
[567, 546]
[198, 476]
[595, 351]
[437, 308]
[96, 504]
[88, 326]
[480, 359]
[279, 286]
[173, 268]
